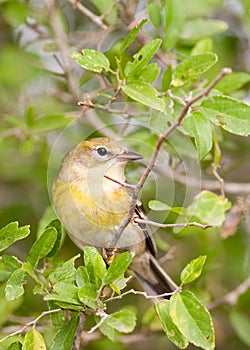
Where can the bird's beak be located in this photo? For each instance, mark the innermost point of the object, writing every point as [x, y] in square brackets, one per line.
[129, 156]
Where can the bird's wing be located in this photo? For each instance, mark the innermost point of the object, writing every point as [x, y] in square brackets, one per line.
[150, 243]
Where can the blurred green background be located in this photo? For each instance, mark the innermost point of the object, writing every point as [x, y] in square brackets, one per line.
[39, 88]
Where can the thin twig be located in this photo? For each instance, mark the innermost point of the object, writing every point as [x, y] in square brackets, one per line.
[137, 292]
[31, 323]
[96, 19]
[159, 142]
[187, 224]
[232, 297]
[103, 316]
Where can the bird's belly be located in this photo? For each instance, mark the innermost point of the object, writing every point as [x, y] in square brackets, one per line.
[90, 220]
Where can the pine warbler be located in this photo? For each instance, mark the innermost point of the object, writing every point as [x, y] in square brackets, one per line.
[91, 207]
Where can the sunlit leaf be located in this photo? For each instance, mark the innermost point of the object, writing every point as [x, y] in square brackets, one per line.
[92, 60]
[192, 319]
[193, 270]
[12, 233]
[168, 325]
[192, 68]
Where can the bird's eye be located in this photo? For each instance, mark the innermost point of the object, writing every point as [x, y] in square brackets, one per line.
[102, 151]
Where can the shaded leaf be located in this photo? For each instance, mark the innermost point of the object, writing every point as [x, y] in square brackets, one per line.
[15, 346]
[199, 28]
[154, 12]
[12, 233]
[42, 247]
[241, 325]
[200, 128]
[64, 338]
[166, 78]
[174, 22]
[50, 122]
[233, 81]
[123, 321]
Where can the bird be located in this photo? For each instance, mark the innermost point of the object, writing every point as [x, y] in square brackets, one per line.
[91, 199]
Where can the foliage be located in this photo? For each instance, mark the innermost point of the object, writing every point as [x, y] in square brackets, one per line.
[158, 82]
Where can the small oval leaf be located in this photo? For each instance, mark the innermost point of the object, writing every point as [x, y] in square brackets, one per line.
[92, 60]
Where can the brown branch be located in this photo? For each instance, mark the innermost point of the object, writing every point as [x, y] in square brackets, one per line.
[232, 297]
[159, 142]
[96, 19]
[187, 224]
[77, 341]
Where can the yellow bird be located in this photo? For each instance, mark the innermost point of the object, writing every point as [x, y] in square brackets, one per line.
[91, 207]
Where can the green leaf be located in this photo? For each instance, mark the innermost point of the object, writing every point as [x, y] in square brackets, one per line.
[65, 272]
[42, 247]
[64, 338]
[7, 265]
[92, 60]
[34, 341]
[241, 325]
[197, 29]
[67, 292]
[107, 7]
[30, 116]
[229, 113]
[192, 319]
[209, 208]
[166, 78]
[48, 216]
[172, 332]
[200, 128]
[174, 21]
[132, 35]
[14, 287]
[154, 12]
[156, 205]
[149, 73]
[57, 318]
[50, 122]
[88, 295]
[141, 58]
[193, 270]
[123, 321]
[82, 276]
[192, 68]
[94, 264]
[117, 268]
[12, 233]
[232, 82]
[144, 93]
[56, 224]
[202, 46]
[15, 12]
[15, 346]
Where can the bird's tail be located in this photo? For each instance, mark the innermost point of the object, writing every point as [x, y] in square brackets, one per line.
[154, 280]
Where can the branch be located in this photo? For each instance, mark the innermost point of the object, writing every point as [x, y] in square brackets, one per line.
[153, 223]
[137, 292]
[159, 142]
[232, 297]
[31, 323]
[96, 19]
